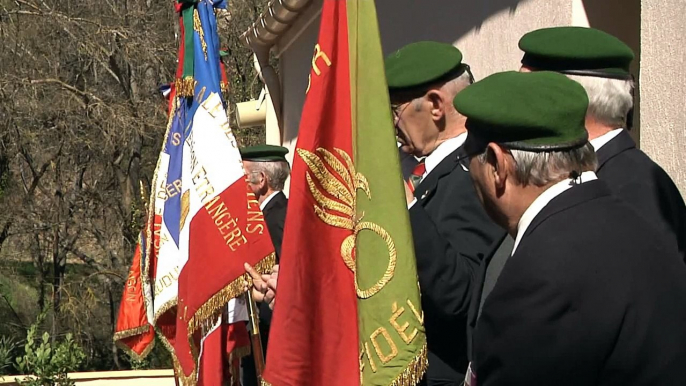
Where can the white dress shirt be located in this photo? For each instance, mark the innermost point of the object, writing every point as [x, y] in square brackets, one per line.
[605, 138]
[541, 201]
[443, 150]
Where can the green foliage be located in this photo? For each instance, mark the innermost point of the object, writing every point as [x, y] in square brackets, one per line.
[142, 364]
[48, 363]
[7, 348]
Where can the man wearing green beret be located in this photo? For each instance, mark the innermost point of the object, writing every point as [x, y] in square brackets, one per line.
[581, 300]
[267, 170]
[451, 231]
[600, 62]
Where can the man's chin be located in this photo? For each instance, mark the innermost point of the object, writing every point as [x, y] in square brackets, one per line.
[407, 149]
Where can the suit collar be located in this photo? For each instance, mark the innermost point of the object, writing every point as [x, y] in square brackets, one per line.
[544, 199]
[442, 151]
[273, 201]
[618, 144]
[577, 195]
[428, 185]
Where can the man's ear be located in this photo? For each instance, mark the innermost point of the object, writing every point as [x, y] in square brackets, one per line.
[437, 103]
[498, 160]
[263, 180]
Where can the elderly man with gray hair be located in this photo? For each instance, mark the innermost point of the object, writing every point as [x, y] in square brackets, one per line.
[592, 294]
[600, 63]
[267, 170]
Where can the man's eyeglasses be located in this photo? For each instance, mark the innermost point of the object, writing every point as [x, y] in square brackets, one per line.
[465, 159]
[397, 110]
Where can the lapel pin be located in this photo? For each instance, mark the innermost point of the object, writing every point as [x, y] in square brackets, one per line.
[425, 194]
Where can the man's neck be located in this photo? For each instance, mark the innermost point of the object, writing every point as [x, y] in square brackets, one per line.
[264, 196]
[454, 127]
[524, 197]
[596, 129]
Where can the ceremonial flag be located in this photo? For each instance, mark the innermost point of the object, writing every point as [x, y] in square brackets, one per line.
[214, 221]
[348, 309]
[203, 223]
[134, 332]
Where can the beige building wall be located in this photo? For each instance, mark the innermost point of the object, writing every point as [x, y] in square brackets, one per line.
[663, 85]
[487, 33]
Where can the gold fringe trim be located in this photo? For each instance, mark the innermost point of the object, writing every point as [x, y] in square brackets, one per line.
[414, 371]
[190, 380]
[165, 307]
[197, 26]
[178, 371]
[412, 374]
[209, 310]
[130, 332]
[151, 211]
[134, 354]
[165, 343]
[265, 265]
[185, 87]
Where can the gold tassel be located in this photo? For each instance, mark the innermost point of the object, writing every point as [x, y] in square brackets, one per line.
[265, 383]
[240, 352]
[414, 371]
[185, 87]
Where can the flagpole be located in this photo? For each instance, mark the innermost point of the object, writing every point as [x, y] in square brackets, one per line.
[255, 338]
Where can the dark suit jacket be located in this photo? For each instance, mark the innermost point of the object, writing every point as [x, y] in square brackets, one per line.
[452, 234]
[635, 178]
[275, 217]
[585, 301]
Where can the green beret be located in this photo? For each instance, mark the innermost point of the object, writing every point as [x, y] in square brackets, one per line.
[264, 153]
[576, 51]
[534, 111]
[421, 64]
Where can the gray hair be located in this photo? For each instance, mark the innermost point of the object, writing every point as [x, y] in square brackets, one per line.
[451, 87]
[609, 99]
[542, 168]
[277, 173]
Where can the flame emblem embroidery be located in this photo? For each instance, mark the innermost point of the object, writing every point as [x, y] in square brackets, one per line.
[336, 176]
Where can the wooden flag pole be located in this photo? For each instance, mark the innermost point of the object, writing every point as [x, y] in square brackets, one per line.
[255, 338]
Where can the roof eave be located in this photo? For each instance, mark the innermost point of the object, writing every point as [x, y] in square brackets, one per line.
[273, 23]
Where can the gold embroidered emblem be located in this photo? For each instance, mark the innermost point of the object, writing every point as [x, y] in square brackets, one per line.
[336, 176]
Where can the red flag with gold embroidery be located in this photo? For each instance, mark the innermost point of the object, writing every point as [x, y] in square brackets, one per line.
[211, 215]
[347, 308]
